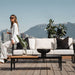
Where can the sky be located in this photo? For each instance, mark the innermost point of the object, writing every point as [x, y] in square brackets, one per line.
[33, 12]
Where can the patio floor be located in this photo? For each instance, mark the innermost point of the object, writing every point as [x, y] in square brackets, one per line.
[37, 67]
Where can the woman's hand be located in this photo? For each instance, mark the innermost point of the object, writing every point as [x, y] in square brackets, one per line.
[12, 42]
[8, 33]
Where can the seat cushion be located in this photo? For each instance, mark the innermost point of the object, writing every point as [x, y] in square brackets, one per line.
[63, 51]
[33, 52]
[29, 51]
[19, 52]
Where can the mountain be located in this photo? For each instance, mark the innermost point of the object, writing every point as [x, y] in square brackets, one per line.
[40, 32]
[37, 31]
[70, 29]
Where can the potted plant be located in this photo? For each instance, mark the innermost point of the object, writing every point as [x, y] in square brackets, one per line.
[61, 31]
[55, 30]
[51, 29]
[23, 43]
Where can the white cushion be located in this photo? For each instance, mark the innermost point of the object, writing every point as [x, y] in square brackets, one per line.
[33, 52]
[53, 43]
[51, 52]
[45, 43]
[70, 42]
[58, 51]
[32, 43]
[63, 51]
[29, 51]
[19, 52]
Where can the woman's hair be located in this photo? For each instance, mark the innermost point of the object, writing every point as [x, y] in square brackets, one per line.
[14, 21]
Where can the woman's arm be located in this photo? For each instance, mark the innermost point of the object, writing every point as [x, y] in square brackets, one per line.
[8, 32]
[12, 41]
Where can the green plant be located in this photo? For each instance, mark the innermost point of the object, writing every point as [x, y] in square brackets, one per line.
[51, 30]
[61, 30]
[55, 31]
[23, 43]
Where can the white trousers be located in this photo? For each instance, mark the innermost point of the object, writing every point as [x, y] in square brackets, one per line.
[4, 48]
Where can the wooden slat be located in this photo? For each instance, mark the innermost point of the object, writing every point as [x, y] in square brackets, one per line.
[31, 71]
[43, 68]
[50, 71]
[30, 67]
[56, 69]
[37, 71]
[23, 68]
[69, 69]
[24, 56]
[66, 57]
[63, 72]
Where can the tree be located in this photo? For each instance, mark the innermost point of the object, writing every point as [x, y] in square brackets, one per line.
[61, 30]
[51, 30]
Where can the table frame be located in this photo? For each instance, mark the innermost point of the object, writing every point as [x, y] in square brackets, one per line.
[59, 57]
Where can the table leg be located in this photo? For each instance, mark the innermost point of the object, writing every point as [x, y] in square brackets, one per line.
[44, 60]
[14, 63]
[73, 59]
[60, 63]
[17, 60]
[11, 64]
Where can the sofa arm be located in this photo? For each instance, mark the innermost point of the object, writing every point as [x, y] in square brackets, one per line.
[74, 47]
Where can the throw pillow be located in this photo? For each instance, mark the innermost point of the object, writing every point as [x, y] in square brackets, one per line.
[22, 42]
[62, 43]
[19, 46]
[26, 39]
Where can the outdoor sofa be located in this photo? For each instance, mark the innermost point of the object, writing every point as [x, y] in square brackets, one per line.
[46, 43]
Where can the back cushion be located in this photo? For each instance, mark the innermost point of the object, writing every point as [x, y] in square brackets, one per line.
[70, 42]
[63, 43]
[31, 43]
[19, 46]
[45, 43]
[26, 39]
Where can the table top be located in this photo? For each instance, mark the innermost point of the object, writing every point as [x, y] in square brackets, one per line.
[35, 56]
[24, 56]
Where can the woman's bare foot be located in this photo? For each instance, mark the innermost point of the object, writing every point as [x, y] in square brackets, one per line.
[1, 60]
[1, 63]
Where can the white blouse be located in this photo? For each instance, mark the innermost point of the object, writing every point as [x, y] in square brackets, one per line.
[14, 33]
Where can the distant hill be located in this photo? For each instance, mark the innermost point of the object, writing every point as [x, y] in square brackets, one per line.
[70, 29]
[37, 31]
[40, 32]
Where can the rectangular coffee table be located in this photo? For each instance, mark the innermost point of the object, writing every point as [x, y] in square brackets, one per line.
[48, 56]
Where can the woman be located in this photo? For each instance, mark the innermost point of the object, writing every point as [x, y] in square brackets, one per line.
[14, 31]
